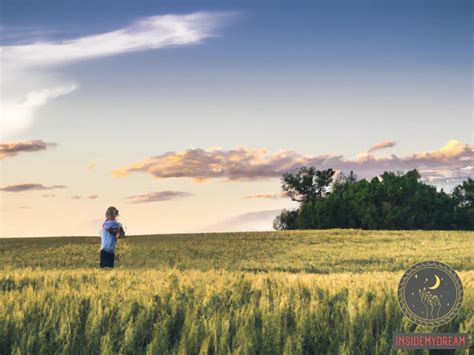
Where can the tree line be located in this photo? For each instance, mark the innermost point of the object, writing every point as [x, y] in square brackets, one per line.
[393, 201]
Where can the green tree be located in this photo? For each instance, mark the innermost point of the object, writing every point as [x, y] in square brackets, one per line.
[463, 195]
[394, 200]
[463, 199]
[308, 184]
[286, 220]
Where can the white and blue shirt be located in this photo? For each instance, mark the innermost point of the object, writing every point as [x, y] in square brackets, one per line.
[108, 235]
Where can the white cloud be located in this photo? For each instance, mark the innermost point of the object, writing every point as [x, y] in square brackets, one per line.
[150, 33]
[17, 116]
[28, 69]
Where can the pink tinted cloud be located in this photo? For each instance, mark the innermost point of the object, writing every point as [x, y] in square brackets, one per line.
[158, 196]
[266, 196]
[381, 145]
[21, 187]
[13, 148]
[252, 164]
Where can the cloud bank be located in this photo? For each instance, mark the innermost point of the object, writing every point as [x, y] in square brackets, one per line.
[29, 187]
[13, 148]
[158, 196]
[29, 81]
[252, 164]
[201, 164]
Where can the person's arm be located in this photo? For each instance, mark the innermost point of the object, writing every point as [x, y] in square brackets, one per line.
[120, 232]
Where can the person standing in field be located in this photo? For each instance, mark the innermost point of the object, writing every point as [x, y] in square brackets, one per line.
[111, 231]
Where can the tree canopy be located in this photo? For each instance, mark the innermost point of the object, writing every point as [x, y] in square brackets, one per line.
[390, 201]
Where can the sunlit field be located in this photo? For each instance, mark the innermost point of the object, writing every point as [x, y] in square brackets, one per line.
[277, 292]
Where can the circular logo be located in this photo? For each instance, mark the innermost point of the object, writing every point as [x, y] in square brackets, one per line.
[430, 293]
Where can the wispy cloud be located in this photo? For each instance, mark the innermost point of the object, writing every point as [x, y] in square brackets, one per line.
[251, 164]
[158, 196]
[266, 196]
[29, 187]
[15, 35]
[149, 33]
[48, 195]
[381, 145]
[39, 60]
[19, 114]
[90, 197]
[13, 148]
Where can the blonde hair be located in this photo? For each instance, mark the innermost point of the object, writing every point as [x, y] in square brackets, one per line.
[111, 213]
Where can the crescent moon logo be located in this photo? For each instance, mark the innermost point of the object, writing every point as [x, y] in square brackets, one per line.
[436, 284]
[430, 305]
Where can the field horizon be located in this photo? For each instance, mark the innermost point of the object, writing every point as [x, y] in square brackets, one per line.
[313, 251]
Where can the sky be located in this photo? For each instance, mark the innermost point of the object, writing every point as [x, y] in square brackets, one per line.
[184, 115]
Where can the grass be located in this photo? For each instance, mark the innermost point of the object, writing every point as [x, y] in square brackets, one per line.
[245, 293]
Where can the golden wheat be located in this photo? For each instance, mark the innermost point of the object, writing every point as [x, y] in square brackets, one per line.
[193, 295]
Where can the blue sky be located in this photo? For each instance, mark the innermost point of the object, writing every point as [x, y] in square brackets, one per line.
[328, 78]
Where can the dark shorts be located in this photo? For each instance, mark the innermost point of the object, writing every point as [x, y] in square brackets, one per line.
[106, 259]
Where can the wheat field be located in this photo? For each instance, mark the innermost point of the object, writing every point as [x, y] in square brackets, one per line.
[304, 292]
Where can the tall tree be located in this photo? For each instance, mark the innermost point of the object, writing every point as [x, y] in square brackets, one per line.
[308, 184]
[464, 194]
